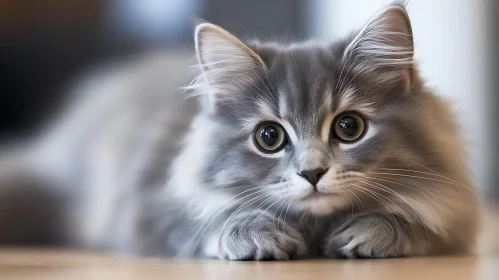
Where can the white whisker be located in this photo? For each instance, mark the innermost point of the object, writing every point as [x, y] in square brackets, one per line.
[216, 209]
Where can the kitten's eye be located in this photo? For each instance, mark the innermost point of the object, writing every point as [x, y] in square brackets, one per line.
[349, 127]
[270, 137]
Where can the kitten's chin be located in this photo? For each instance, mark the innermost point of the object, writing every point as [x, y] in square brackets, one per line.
[321, 205]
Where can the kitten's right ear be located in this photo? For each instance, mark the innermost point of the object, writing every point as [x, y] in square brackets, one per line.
[384, 47]
[226, 62]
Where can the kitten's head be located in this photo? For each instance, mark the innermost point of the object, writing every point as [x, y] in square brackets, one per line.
[311, 124]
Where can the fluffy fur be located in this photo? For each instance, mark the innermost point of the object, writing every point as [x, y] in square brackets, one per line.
[401, 190]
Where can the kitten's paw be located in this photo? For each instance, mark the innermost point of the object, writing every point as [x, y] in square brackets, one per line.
[260, 237]
[364, 237]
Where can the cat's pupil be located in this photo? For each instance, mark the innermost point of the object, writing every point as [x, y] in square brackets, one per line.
[269, 135]
[349, 126]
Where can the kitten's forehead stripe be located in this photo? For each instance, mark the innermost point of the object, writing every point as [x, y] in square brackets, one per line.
[307, 93]
[267, 109]
[349, 100]
[283, 105]
[346, 97]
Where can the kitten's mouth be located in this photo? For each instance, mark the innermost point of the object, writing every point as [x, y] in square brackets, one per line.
[318, 195]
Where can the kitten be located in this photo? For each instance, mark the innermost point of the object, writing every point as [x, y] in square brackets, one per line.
[293, 151]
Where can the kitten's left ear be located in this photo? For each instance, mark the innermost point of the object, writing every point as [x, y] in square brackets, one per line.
[227, 63]
[384, 47]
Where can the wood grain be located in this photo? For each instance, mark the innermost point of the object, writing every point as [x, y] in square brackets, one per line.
[58, 265]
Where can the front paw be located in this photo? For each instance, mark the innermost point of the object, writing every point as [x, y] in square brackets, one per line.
[365, 237]
[258, 236]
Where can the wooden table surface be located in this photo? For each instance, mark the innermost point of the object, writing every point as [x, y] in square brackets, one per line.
[59, 265]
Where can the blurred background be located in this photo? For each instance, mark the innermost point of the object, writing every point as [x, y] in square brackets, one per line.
[45, 47]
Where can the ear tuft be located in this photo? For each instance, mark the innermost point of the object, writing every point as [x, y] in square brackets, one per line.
[226, 62]
[385, 45]
[215, 45]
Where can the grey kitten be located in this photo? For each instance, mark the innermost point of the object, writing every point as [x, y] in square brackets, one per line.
[293, 151]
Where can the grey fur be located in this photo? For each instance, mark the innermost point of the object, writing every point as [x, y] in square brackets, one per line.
[258, 235]
[402, 190]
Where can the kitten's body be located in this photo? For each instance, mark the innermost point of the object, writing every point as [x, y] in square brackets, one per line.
[131, 184]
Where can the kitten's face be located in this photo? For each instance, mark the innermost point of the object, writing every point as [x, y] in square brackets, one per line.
[308, 125]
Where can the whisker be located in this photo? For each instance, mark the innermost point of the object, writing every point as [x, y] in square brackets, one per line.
[220, 212]
[358, 201]
[388, 190]
[204, 227]
[275, 212]
[266, 209]
[380, 199]
[287, 200]
[302, 218]
[264, 203]
[396, 218]
[398, 182]
[285, 215]
[420, 177]
[239, 209]
[351, 203]
[237, 187]
[427, 173]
